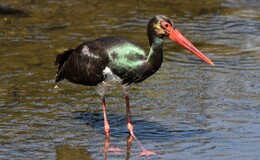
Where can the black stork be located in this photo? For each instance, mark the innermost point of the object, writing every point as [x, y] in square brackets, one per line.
[112, 60]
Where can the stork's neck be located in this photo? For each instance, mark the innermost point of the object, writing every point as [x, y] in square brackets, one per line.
[155, 56]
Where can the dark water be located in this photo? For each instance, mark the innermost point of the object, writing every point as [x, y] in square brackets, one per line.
[187, 110]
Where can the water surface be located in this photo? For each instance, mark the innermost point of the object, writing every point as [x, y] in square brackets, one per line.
[187, 110]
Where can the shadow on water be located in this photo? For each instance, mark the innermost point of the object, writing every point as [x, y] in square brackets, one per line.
[144, 130]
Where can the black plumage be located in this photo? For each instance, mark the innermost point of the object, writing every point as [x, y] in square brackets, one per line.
[83, 65]
[86, 63]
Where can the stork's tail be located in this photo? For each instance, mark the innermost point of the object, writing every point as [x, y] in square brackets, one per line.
[61, 60]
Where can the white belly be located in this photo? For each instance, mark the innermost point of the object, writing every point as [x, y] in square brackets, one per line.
[110, 80]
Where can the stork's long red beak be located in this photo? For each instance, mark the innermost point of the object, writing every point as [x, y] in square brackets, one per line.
[175, 35]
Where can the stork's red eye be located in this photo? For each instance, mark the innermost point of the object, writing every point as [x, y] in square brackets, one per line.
[166, 26]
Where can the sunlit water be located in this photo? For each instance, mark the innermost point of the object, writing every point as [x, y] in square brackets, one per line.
[187, 110]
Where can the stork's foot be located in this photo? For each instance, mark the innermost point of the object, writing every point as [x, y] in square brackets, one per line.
[109, 148]
[145, 152]
[114, 149]
[148, 153]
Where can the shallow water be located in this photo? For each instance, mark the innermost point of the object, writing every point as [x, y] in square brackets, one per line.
[187, 110]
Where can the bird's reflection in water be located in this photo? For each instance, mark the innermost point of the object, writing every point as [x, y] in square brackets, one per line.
[108, 148]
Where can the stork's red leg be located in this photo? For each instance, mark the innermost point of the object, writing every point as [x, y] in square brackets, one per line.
[130, 128]
[107, 130]
[106, 124]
